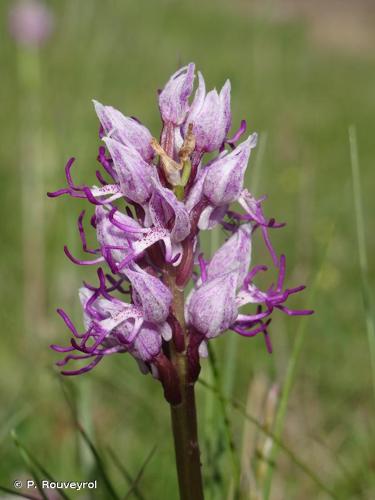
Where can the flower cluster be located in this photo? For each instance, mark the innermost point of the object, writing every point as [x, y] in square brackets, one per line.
[150, 249]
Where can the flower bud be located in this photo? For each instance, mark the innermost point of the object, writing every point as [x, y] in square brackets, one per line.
[224, 178]
[126, 130]
[210, 115]
[174, 98]
[133, 172]
[233, 256]
[147, 344]
[150, 294]
[212, 307]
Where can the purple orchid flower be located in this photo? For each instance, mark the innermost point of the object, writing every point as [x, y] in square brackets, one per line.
[210, 115]
[149, 212]
[224, 177]
[226, 282]
[128, 131]
[174, 98]
[114, 326]
[132, 171]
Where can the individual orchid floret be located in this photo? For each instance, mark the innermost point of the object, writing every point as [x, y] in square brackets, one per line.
[210, 116]
[272, 298]
[174, 98]
[147, 344]
[220, 183]
[133, 172]
[108, 312]
[254, 211]
[123, 240]
[114, 326]
[128, 131]
[167, 211]
[212, 307]
[233, 255]
[108, 193]
[150, 294]
[103, 318]
[224, 178]
[115, 245]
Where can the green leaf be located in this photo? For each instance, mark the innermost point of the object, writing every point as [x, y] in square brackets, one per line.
[362, 252]
[99, 462]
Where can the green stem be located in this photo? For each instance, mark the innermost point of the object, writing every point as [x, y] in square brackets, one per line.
[185, 433]
[184, 415]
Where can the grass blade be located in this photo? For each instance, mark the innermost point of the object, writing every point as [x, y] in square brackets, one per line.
[95, 453]
[9, 491]
[225, 417]
[361, 241]
[140, 474]
[290, 374]
[293, 457]
[120, 466]
[29, 463]
[37, 465]
[128, 477]
[99, 462]
[13, 421]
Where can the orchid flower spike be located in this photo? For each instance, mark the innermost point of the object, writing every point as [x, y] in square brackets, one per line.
[153, 200]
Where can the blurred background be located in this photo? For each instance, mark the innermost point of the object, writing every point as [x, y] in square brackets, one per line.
[302, 73]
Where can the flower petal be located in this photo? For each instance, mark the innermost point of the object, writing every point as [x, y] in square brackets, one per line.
[224, 179]
[167, 211]
[233, 255]
[150, 294]
[174, 98]
[133, 172]
[210, 115]
[125, 130]
[212, 307]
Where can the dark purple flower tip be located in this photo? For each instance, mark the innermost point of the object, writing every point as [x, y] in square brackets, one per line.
[81, 262]
[238, 134]
[85, 369]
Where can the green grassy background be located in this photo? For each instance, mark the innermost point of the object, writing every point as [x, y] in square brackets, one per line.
[299, 88]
